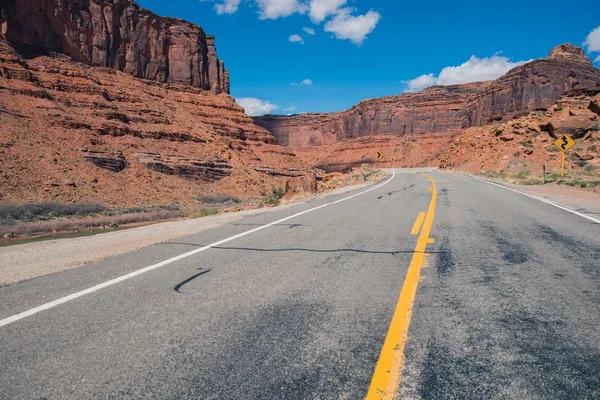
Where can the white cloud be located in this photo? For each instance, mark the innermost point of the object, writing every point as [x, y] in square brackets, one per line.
[227, 7]
[420, 82]
[305, 82]
[321, 9]
[597, 59]
[346, 26]
[273, 9]
[296, 39]
[474, 70]
[289, 110]
[309, 31]
[255, 107]
[592, 41]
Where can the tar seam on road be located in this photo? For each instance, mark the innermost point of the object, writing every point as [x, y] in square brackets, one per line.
[386, 378]
[596, 220]
[133, 274]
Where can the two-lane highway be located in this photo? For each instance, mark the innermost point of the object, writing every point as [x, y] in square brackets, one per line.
[313, 302]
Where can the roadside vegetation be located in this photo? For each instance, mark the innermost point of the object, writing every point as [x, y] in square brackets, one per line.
[275, 197]
[34, 219]
[587, 178]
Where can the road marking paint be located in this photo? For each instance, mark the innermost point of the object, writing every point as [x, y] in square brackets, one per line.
[431, 241]
[429, 190]
[386, 378]
[588, 217]
[417, 226]
[133, 274]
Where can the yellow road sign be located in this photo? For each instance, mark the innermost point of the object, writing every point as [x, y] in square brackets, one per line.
[564, 143]
[379, 155]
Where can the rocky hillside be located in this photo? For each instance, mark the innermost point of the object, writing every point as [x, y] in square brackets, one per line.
[116, 34]
[445, 110]
[73, 132]
[526, 143]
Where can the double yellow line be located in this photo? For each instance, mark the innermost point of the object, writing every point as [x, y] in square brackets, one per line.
[386, 378]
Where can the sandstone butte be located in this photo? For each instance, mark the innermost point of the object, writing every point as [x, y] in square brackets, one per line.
[416, 129]
[117, 34]
[105, 101]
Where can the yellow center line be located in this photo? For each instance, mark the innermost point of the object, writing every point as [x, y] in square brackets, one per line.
[417, 226]
[386, 378]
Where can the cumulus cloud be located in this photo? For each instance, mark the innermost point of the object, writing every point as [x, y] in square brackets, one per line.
[305, 82]
[273, 9]
[227, 7]
[255, 107]
[592, 41]
[344, 25]
[309, 31]
[474, 70]
[296, 39]
[321, 9]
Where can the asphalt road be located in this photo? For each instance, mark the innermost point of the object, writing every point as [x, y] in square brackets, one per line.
[507, 305]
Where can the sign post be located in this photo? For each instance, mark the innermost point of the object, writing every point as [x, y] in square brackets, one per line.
[564, 143]
[379, 155]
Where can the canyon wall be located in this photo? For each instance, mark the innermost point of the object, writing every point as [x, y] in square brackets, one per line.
[444, 109]
[117, 34]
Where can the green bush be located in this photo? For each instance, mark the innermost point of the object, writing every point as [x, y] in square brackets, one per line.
[590, 168]
[526, 144]
[276, 195]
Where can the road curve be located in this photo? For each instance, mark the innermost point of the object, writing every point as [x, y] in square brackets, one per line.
[505, 306]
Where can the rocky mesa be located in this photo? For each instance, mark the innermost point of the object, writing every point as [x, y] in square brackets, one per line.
[104, 101]
[444, 110]
[116, 34]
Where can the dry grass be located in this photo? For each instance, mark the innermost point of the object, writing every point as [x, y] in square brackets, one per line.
[32, 228]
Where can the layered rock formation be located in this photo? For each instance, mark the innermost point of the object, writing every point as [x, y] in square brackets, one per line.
[444, 109]
[72, 132]
[117, 34]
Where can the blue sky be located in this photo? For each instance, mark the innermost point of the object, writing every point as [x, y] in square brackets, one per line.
[364, 49]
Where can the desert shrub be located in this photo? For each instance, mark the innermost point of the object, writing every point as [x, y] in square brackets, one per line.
[217, 199]
[523, 174]
[590, 168]
[553, 149]
[40, 227]
[32, 211]
[203, 212]
[276, 195]
[596, 127]
[143, 209]
[581, 163]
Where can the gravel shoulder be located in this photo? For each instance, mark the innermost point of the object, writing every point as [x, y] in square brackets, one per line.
[32, 260]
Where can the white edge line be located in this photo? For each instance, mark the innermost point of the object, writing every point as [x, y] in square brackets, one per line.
[133, 274]
[588, 217]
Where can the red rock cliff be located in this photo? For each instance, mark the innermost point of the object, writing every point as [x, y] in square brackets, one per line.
[444, 109]
[117, 34]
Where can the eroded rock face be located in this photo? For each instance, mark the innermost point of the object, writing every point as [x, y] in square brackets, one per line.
[444, 109]
[117, 34]
[202, 170]
[110, 160]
